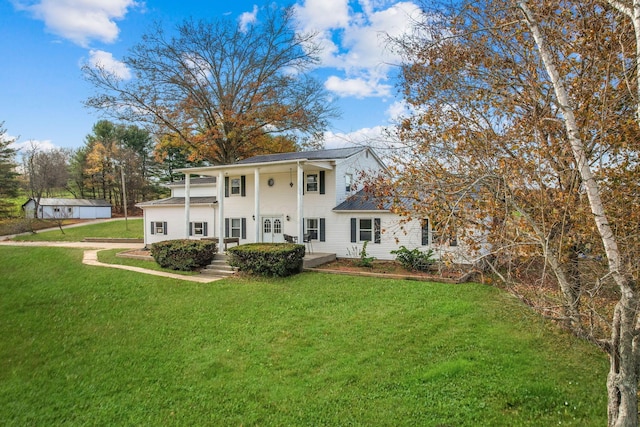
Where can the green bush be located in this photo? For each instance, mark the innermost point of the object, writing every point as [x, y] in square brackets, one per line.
[184, 254]
[414, 259]
[267, 259]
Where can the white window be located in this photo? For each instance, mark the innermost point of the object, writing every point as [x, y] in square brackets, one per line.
[366, 229]
[56, 210]
[236, 185]
[70, 210]
[348, 183]
[312, 182]
[158, 227]
[236, 227]
[198, 229]
[313, 225]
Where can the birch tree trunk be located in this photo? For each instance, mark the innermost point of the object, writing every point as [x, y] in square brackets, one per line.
[622, 381]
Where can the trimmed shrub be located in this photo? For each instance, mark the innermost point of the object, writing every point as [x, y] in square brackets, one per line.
[415, 259]
[184, 254]
[267, 259]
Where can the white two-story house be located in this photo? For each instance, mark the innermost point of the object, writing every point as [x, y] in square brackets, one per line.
[311, 195]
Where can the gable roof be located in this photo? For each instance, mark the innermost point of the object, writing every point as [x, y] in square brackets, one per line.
[331, 154]
[46, 201]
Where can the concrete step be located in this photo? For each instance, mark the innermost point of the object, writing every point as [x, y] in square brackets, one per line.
[219, 267]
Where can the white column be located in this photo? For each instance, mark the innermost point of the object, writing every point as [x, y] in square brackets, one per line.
[256, 204]
[187, 203]
[220, 200]
[299, 223]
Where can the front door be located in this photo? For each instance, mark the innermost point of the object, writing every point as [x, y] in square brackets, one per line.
[272, 229]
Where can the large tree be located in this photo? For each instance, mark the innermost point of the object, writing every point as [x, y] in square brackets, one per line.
[46, 171]
[220, 87]
[114, 152]
[521, 116]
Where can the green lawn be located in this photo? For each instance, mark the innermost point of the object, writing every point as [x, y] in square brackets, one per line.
[86, 345]
[104, 229]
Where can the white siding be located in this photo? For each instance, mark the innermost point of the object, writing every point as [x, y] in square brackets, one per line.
[176, 223]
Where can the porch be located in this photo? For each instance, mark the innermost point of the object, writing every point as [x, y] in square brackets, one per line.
[315, 259]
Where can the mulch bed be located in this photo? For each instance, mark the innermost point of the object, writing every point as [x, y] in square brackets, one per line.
[393, 269]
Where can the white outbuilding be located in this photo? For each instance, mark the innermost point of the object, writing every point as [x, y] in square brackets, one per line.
[60, 208]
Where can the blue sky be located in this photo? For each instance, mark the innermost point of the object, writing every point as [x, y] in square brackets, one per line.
[44, 43]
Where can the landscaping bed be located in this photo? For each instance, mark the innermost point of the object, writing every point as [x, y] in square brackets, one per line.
[393, 269]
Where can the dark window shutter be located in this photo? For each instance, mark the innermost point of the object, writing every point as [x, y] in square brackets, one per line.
[354, 230]
[190, 229]
[164, 227]
[226, 227]
[226, 186]
[244, 228]
[322, 229]
[243, 186]
[153, 227]
[204, 232]
[322, 189]
[425, 232]
[376, 230]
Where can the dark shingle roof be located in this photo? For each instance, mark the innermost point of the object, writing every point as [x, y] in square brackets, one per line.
[332, 154]
[361, 201]
[179, 201]
[195, 180]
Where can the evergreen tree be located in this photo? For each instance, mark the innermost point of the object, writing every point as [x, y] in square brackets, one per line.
[8, 174]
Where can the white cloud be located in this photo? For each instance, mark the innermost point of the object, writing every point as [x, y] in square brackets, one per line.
[100, 58]
[357, 87]
[40, 145]
[79, 20]
[354, 40]
[397, 110]
[322, 15]
[248, 18]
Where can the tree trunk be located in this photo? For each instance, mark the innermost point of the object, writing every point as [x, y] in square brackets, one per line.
[622, 382]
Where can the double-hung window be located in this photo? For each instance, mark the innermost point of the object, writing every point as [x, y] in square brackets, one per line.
[348, 183]
[366, 230]
[236, 185]
[198, 228]
[312, 182]
[158, 227]
[313, 226]
[235, 229]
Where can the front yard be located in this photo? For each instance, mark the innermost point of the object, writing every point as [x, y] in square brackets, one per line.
[89, 345]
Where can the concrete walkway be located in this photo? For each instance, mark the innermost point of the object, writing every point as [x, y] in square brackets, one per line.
[91, 257]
